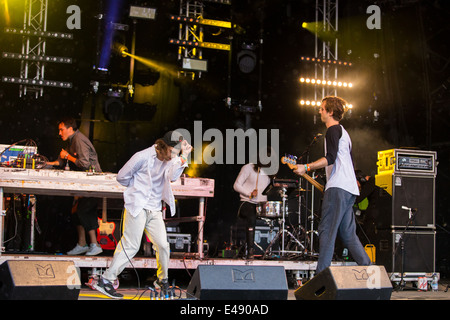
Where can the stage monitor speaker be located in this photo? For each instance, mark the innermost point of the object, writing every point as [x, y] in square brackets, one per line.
[39, 280]
[223, 282]
[347, 283]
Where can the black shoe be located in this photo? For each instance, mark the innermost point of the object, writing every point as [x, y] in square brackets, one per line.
[106, 287]
[162, 284]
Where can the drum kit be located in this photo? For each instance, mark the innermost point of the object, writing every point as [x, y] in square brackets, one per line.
[294, 240]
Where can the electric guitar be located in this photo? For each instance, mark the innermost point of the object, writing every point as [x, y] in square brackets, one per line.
[291, 162]
[105, 231]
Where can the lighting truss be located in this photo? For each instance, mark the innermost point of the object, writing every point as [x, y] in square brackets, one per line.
[33, 57]
[190, 40]
[326, 62]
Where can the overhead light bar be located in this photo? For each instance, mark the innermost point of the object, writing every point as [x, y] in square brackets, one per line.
[314, 103]
[142, 13]
[38, 33]
[35, 82]
[184, 19]
[327, 61]
[202, 21]
[333, 83]
[33, 57]
[219, 1]
[198, 44]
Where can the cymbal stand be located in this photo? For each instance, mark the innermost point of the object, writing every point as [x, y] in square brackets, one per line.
[311, 231]
[283, 230]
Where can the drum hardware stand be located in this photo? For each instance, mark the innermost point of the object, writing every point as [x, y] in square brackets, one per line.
[311, 231]
[283, 230]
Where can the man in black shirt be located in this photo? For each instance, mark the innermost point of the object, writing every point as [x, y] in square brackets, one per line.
[81, 156]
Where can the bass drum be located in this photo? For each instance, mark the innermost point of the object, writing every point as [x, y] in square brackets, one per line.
[269, 210]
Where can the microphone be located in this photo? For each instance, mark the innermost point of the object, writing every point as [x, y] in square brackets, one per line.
[411, 210]
[318, 135]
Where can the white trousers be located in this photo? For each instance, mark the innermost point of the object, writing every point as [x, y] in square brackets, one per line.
[150, 222]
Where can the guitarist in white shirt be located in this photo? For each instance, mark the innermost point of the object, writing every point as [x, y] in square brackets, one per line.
[341, 188]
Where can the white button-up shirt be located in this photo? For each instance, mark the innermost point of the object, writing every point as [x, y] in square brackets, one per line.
[136, 176]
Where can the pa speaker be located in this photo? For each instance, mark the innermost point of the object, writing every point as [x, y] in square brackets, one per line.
[39, 280]
[220, 282]
[347, 283]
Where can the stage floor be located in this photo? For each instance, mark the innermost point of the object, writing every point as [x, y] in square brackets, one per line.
[138, 278]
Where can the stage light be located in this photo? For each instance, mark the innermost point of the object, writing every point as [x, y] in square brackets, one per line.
[326, 61]
[120, 48]
[38, 33]
[184, 19]
[219, 1]
[142, 13]
[33, 57]
[113, 107]
[195, 64]
[326, 82]
[246, 58]
[36, 82]
[304, 25]
[197, 44]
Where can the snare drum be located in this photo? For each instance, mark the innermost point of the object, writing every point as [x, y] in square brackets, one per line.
[269, 209]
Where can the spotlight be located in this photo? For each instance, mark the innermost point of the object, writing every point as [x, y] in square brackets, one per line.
[113, 106]
[120, 48]
[246, 58]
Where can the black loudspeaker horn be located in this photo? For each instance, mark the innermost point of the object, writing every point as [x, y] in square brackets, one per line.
[39, 280]
[347, 283]
[220, 282]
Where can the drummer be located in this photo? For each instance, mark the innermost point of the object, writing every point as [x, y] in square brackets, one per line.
[250, 183]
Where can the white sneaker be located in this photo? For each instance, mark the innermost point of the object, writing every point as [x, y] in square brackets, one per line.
[78, 250]
[94, 249]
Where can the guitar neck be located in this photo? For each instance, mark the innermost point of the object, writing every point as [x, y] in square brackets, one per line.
[313, 182]
[104, 210]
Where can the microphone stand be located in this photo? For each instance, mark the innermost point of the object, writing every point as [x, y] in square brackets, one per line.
[311, 218]
[402, 285]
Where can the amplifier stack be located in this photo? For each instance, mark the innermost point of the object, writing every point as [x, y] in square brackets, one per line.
[405, 235]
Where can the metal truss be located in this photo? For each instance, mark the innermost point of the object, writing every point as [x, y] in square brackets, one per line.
[326, 22]
[35, 19]
[190, 33]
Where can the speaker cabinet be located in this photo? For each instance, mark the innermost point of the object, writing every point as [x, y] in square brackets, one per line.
[415, 192]
[347, 283]
[39, 280]
[418, 253]
[220, 282]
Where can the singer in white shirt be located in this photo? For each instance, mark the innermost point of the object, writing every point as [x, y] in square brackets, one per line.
[147, 176]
